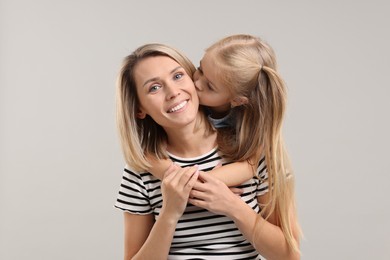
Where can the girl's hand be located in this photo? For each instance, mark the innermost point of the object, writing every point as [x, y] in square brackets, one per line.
[176, 187]
[213, 195]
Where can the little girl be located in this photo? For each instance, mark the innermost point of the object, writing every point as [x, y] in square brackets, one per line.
[239, 82]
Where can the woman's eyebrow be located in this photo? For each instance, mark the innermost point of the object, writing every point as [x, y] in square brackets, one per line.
[150, 80]
[157, 78]
[175, 69]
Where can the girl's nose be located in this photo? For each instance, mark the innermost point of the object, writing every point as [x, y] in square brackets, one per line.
[198, 85]
[198, 81]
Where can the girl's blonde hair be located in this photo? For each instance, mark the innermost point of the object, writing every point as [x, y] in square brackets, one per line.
[247, 67]
[140, 137]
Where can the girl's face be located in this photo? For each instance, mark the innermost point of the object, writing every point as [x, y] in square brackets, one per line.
[166, 92]
[211, 92]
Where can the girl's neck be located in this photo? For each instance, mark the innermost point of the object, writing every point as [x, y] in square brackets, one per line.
[220, 112]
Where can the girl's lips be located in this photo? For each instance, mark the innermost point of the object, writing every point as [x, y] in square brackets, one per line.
[178, 106]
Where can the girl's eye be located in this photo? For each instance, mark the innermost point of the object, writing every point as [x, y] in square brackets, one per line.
[200, 70]
[154, 88]
[210, 87]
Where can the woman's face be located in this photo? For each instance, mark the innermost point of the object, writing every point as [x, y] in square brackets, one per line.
[166, 92]
[211, 92]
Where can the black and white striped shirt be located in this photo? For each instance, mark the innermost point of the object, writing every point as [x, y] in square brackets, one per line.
[199, 234]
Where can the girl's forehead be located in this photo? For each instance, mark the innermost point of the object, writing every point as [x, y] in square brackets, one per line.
[209, 55]
[209, 69]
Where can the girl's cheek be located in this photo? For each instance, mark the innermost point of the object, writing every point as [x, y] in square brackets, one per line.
[196, 75]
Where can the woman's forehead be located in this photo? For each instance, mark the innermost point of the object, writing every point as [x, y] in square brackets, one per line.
[154, 67]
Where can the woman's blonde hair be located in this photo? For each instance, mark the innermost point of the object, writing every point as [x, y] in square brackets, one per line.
[140, 137]
[247, 67]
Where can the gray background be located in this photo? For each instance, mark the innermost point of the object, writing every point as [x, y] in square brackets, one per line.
[60, 161]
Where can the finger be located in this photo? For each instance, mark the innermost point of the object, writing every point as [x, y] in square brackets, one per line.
[204, 176]
[195, 194]
[177, 174]
[191, 182]
[198, 203]
[199, 185]
[171, 171]
[175, 165]
[187, 174]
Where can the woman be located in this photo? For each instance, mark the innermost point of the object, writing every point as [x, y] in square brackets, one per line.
[158, 114]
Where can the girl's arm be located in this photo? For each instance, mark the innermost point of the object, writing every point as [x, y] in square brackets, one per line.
[232, 174]
[158, 167]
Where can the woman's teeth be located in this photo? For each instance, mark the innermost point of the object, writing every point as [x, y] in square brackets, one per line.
[181, 105]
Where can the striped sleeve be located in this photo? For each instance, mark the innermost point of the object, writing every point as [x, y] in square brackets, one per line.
[262, 174]
[133, 196]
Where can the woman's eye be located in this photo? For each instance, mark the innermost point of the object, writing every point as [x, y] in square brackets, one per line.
[178, 75]
[210, 87]
[154, 88]
[200, 70]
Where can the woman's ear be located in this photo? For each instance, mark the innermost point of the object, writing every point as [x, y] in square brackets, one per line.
[141, 114]
[239, 101]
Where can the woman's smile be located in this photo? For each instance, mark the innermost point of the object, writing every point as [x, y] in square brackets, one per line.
[179, 107]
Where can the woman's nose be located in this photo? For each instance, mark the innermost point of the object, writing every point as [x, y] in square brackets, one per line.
[172, 91]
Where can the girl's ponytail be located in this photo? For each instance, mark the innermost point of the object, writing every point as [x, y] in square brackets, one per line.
[281, 183]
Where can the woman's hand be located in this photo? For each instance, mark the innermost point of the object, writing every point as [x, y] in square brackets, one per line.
[176, 186]
[213, 195]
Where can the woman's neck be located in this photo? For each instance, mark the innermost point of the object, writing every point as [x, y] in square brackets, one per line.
[191, 141]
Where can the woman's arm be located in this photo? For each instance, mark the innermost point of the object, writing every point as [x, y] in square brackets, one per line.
[231, 174]
[215, 196]
[146, 239]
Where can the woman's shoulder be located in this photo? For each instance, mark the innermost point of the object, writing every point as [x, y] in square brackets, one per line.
[141, 175]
